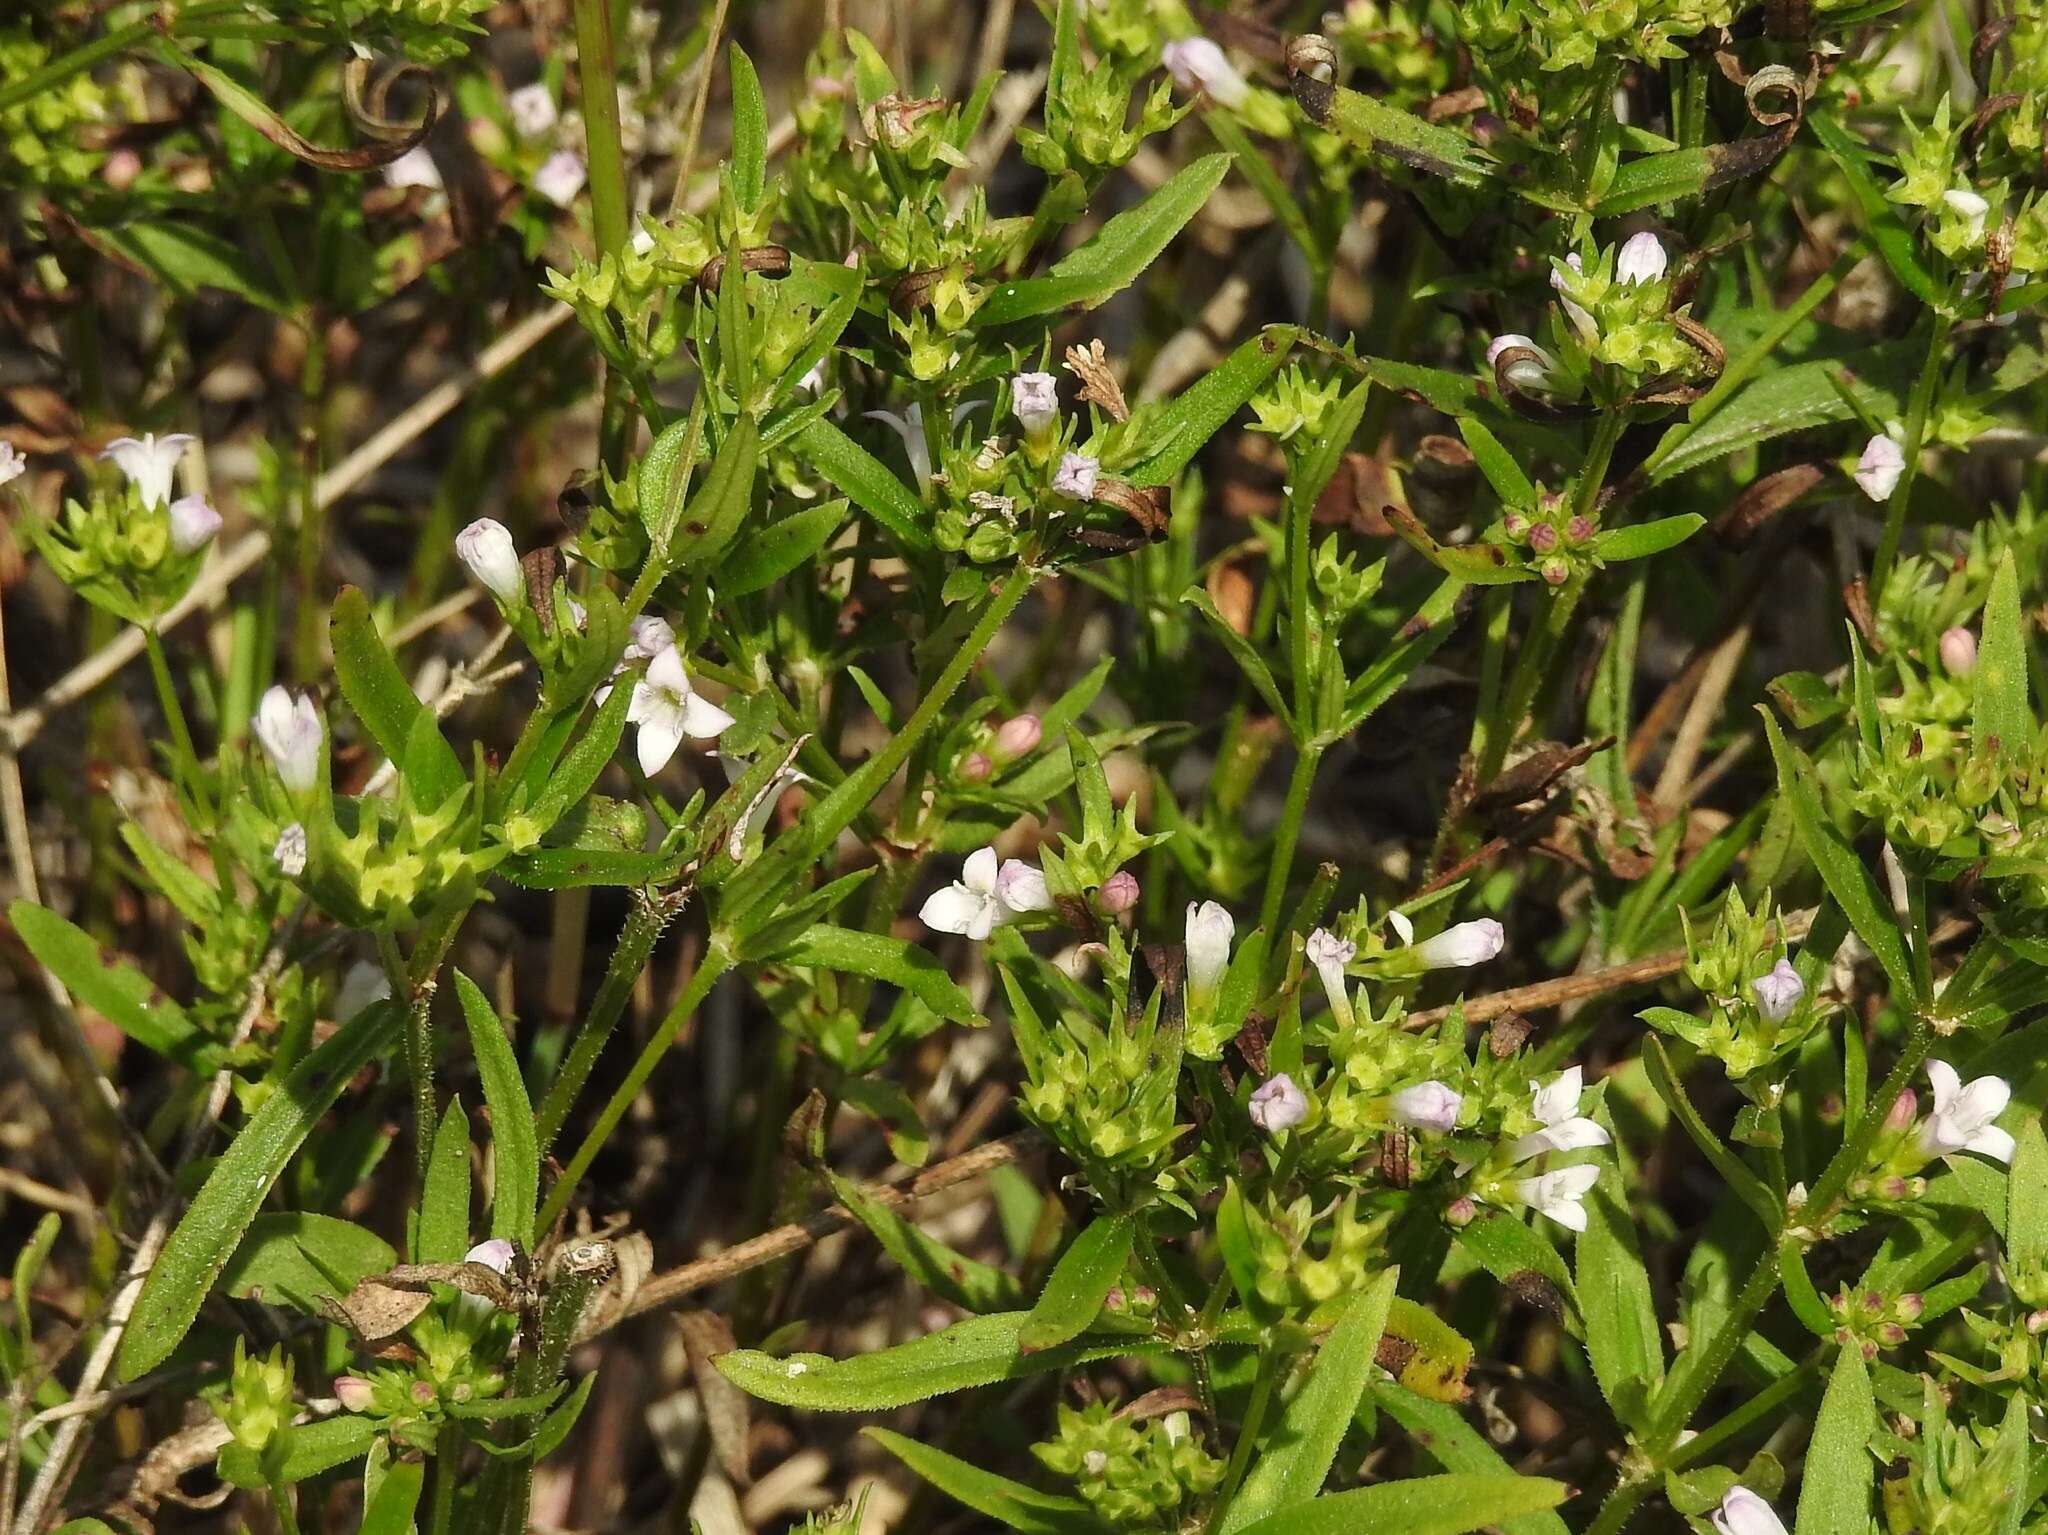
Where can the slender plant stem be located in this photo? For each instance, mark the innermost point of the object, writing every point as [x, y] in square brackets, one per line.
[174, 716]
[644, 924]
[80, 59]
[1271, 1361]
[1280, 863]
[598, 70]
[716, 961]
[1834, 1178]
[1916, 434]
[419, 1053]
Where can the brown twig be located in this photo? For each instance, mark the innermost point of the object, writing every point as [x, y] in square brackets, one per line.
[1578, 988]
[665, 1289]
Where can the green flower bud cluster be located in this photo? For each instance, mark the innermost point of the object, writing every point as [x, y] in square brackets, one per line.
[1135, 1475]
[38, 136]
[1106, 1095]
[1346, 587]
[1619, 308]
[1295, 402]
[1124, 30]
[1303, 1258]
[256, 1400]
[118, 552]
[1564, 35]
[1088, 124]
[1951, 1478]
[1758, 1010]
[1870, 1320]
[1385, 39]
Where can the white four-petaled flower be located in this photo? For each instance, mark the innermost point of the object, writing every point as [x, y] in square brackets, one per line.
[1742, 1512]
[533, 109]
[1556, 1108]
[486, 547]
[1961, 1119]
[1278, 1104]
[986, 894]
[1778, 991]
[288, 728]
[667, 708]
[1330, 954]
[149, 461]
[1560, 1195]
[1036, 400]
[1196, 63]
[1428, 1106]
[1878, 470]
[560, 177]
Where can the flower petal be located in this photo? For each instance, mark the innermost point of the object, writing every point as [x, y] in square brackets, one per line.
[661, 732]
[954, 909]
[703, 718]
[1994, 1143]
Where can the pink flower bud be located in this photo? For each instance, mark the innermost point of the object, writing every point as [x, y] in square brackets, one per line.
[422, 1392]
[974, 767]
[1959, 651]
[1018, 735]
[354, 1393]
[1903, 1111]
[1543, 538]
[1119, 893]
[1461, 1211]
[1909, 1307]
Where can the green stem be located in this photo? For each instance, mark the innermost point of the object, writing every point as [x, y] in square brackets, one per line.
[419, 1052]
[80, 59]
[1916, 434]
[174, 715]
[1270, 1362]
[598, 72]
[447, 1458]
[644, 924]
[1855, 1151]
[1531, 665]
[1280, 863]
[716, 961]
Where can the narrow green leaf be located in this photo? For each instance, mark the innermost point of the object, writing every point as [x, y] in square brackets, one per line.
[1622, 1335]
[383, 700]
[2026, 1208]
[1524, 1260]
[199, 1249]
[1499, 466]
[1427, 147]
[294, 1258]
[1844, 874]
[1242, 651]
[977, 1352]
[749, 162]
[581, 766]
[299, 1451]
[1896, 243]
[1643, 539]
[515, 1151]
[766, 556]
[1298, 1454]
[186, 257]
[895, 960]
[1795, 399]
[713, 518]
[121, 994]
[443, 1235]
[966, 1282]
[1442, 1433]
[390, 1511]
[1425, 1505]
[1834, 1493]
[1181, 427]
[1009, 1503]
[1079, 1283]
[857, 472]
[2000, 682]
[1118, 253]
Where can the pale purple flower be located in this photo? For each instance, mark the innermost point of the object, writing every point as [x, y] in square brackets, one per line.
[1778, 992]
[1469, 943]
[1277, 1104]
[1556, 1107]
[193, 524]
[1641, 260]
[1428, 1106]
[12, 465]
[1538, 374]
[149, 461]
[666, 708]
[1878, 470]
[354, 1393]
[1119, 892]
[1198, 64]
[1961, 1119]
[496, 1255]
[560, 177]
[288, 728]
[1022, 888]
[1330, 954]
[486, 547]
[1036, 400]
[533, 109]
[1581, 318]
[1076, 476]
[986, 894]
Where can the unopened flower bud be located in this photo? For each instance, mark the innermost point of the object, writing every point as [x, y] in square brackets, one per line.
[1428, 1106]
[1958, 651]
[1579, 529]
[2037, 1322]
[486, 547]
[193, 524]
[1468, 943]
[288, 728]
[1642, 259]
[1905, 1108]
[1742, 1512]
[1543, 538]
[1515, 525]
[1198, 64]
[354, 1393]
[1910, 1307]
[495, 1254]
[1036, 400]
[974, 767]
[1018, 735]
[1461, 1211]
[1119, 893]
[1076, 477]
[1555, 571]
[422, 1393]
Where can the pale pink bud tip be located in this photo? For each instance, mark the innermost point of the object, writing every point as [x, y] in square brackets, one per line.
[1035, 399]
[193, 524]
[1427, 1106]
[354, 1393]
[1958, 651]
[1880, 467]
[1018, 735]
[1642, 260]
[1119, 893]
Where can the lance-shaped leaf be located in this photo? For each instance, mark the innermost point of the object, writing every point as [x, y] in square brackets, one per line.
[882, 958]
[1079, 1283]
[865, 478]
[120, 993]
[515, 1153]
[1834, 1492]
[1009, 1503]
[2000, 711]
[1425, 1505]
